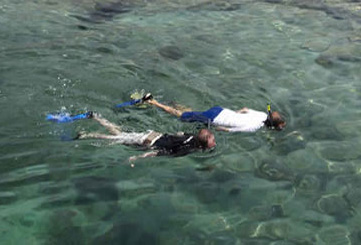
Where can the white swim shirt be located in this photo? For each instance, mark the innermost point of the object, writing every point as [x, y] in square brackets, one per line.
[249, 121]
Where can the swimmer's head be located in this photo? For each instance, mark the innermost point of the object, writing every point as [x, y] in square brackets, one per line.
[206, 139]
[275, 121]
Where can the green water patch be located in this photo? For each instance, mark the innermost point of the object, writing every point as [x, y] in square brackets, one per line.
[297, 186]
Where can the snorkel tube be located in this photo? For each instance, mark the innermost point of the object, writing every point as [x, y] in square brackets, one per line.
[269, 121]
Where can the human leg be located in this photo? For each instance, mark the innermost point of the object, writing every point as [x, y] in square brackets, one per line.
[83, 135]
[111, 127]
[125, 138]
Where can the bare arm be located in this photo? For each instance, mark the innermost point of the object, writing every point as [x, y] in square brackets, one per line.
[166, 108]
[132, 159]
[243, 110]
[220, 128]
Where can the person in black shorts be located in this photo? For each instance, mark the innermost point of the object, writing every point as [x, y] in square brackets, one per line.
[160, 144]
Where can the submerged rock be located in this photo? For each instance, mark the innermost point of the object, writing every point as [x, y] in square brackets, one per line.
[324, 61]
[82, 27]
[105, 12]
[266, 212]
[274, 171]
[171, 52]
[158, 205]
[340, 151]
[7, 197]
[289, 143]
[277, 230]
[338, 10]
[246, 229]
[326, 132]
[207, 192]
[215, 6]
[353, 197]
[316, 219]
[200, 237]
[209, 223]
[221, 238]
[341, 167]
[354, 38]
[336, 235]
[62, 230]
[334, 205]
[329, 9]
[316, 45]
[311, 183]
[221, 176]
[134, 188]
[306, 161]
[95, 189]
[126, 233]
[274, 1]
[349, 52]
[355, 237]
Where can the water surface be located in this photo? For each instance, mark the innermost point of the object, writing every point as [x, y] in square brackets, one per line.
[298, 186]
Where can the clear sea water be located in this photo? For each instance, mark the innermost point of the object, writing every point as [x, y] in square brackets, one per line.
[298, 186]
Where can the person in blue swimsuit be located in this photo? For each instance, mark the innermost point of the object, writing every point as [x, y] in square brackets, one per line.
[243, 120]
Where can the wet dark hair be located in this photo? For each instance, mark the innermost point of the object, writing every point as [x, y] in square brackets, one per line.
[275, 121]
[202, 138]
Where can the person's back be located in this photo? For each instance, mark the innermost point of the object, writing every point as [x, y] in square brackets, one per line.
[249, 121]
[175, 145]
[180, 145]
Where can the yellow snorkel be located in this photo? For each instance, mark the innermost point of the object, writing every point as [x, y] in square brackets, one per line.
[269, 121]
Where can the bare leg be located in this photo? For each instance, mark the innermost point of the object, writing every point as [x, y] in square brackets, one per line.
[112, 128]
[171, 110]
[96, 136]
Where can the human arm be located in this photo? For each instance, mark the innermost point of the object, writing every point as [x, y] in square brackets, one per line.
[243, 110]
[166, 108]
[235, 129]
[220, 128]
[132, 159]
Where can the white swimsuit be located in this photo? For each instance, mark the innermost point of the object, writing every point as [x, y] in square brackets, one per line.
[249, 121]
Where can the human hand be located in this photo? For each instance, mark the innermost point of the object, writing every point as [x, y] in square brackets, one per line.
[131, 160]
[219, 128]
[243, 110]
[147, 97]
[151, 101]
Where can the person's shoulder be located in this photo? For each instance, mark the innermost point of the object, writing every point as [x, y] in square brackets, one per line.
[227, 110]
[256, 111]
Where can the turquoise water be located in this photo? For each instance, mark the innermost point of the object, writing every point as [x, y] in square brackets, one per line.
[298, 186]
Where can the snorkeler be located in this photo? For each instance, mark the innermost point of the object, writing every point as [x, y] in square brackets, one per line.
[243, 120]
[160, 144]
